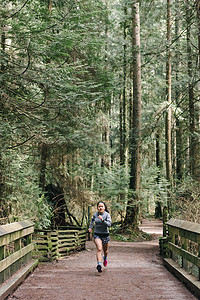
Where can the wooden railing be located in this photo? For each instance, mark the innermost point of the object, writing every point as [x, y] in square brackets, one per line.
[183, 252]
[52, 244]
[15, 253]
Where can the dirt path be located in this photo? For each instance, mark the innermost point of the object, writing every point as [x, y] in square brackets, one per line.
[134, 272]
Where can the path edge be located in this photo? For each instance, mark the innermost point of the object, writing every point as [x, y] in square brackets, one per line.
[192, 283]
[12, 283]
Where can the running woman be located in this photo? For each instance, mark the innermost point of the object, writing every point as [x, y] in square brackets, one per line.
[102, 222]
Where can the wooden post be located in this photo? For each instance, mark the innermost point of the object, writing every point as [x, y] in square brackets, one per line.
[165, 217]
[2, 252]
[199, 256]
[184, 245]
[49, 245]
[17, 244]
[89, 217]
[29, 239]
[54, 241]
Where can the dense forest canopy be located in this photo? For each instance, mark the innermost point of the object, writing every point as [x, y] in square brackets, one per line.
[99, 101]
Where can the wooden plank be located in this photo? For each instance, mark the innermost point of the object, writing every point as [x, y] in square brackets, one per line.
[66, 245]
[192, 283]
[84, 231]
[55, 249]
[185, 254]
[83, 242]
[13, 236]
[54, 244]
[39, 236]
[6, 262]
[174, 248]
[41, 247]
[192, 236]
[39, 253]
[62, 237]
[16, 226]
[54, 238]
[83, 239]
[66, 240]
[67, 231]
[186, 225]
[82, 234]
[10, 285]
[66, 249]
[41, 242]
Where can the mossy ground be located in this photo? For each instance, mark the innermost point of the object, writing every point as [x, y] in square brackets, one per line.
[129, 235]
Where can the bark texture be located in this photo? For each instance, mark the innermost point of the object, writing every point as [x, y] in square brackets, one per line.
[132, 212]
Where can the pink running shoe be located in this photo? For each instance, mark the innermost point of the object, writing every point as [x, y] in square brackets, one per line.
[105, 262]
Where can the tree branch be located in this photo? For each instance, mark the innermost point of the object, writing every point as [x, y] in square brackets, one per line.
[20, 144]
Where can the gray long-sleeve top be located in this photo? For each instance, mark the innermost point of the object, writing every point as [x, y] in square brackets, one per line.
[101, 227]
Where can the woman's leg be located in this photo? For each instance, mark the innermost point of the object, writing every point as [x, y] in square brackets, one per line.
[105, 249]
[98, 244]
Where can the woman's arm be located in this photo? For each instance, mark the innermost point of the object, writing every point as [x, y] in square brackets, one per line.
[108, 221]
[91, 223]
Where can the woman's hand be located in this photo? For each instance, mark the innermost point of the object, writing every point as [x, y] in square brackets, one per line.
[100, 217]
[90, 230]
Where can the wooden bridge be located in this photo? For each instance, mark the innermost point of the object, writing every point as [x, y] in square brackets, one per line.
[135, 270]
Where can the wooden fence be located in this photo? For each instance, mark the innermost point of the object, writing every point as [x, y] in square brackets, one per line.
[182, 252]
[15, 254]
[52, 244]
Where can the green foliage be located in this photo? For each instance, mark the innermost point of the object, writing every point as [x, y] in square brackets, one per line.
[53, 77]
[21, 191]
[111, 182]
[44, 214]
[186, 201]
[155, 187]
[61, 76]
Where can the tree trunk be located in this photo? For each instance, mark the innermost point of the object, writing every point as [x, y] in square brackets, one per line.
[125, 93]
[179, 131]
[197, 170]
[168, 119]
[123, 99]
[3, 47]
[198, 20]
[158, 207]
[1, 188]
[132, 212]
[106, 159]
[43, 162]
[192, 127]
[121, 150]
[168, 116]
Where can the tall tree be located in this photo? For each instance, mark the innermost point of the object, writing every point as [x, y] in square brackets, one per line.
[198, 97]
[191, 96]
[178, 95]
[198, 24]
[168, 117]
[124, 118]
[132, 212]
[158, 207]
